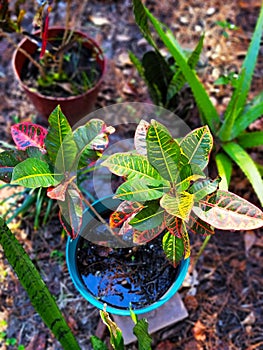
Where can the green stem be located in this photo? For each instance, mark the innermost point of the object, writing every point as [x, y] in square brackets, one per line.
[201, 250]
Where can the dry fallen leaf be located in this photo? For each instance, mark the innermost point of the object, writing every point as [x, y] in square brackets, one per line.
[250, 239]
[99, 21]
[199, 331]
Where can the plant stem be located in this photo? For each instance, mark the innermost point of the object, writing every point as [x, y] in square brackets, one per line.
[31, 59]
[203, 246]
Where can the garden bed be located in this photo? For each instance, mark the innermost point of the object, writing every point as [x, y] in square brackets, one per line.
[224, 299]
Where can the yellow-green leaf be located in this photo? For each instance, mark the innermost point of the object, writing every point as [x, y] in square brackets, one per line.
[180, 205]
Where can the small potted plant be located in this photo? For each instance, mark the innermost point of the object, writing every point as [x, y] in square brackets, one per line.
[56, 65]
[166, 196]
[52, 158]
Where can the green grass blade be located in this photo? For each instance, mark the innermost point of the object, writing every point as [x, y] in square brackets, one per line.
[206, 107]
[38, 292]
[246, 118]
[247, 165]
[251, 59]
[224, 167]
[251, 139]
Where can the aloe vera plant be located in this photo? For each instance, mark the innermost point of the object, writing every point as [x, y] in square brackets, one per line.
[228, 130]
[166, 190]
[50, 159]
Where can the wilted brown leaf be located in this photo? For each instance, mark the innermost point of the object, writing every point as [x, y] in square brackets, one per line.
[199, 331]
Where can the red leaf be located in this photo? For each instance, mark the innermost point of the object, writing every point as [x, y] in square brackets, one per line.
[45, 34]
[124, 211]
[29, 135]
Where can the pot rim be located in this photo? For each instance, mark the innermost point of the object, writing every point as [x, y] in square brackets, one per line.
[72, 268]
[61, 99]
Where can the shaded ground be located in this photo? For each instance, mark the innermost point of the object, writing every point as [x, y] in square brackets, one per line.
[225, 305]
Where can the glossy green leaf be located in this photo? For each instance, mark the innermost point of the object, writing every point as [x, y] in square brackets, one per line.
[179, 206]
[163, 151]
[33, 173]
[201, 189]
[188, 172]
[247, 165]
[251, 139]
[60, 145]
[224, 166]
[141, 332]
[40, 297]
[142, 237]
[71, 211]
[197, 146]
[142, 190]
[91, 140]
[132, 166]
[116, 338]
[148, 217]
[173, 248]
[198, 226]
[227, 211]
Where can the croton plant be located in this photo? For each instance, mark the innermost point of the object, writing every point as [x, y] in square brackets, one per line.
[167, 190]
[51, 158]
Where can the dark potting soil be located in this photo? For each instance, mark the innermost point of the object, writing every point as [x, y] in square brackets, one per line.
[80, 72]
[124, 277]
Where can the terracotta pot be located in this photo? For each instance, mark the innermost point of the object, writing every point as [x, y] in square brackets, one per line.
[74, 107]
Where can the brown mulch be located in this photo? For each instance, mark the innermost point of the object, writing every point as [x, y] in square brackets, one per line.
[225, 302]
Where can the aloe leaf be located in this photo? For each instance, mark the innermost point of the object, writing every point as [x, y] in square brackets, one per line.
[179, 206]
[33, 173]
[173, 248]
[158, 74]
[163, 151]
[141, 190]
[140, 330]
[132, 166]
[249, 63]
[27, 134]
[148, 217]
[140, 137]
[209, 113]
[178, 79]
[142, 21]
[91, 140]
[246, 118]
[232, 112]
[247, 165]
[224, 166]
[71, 211]
[197, 146]
[227, 211]
[201, 189]
[60, 145]
[251, 139]
[116, 338]
[198, 226]
[41, 299]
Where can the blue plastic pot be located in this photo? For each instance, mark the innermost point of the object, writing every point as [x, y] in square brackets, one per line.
[101, 206]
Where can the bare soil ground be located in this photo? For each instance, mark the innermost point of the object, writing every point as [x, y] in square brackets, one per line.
[225, 303]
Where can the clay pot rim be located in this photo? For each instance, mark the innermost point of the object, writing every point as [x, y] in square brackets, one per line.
[60, 99]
